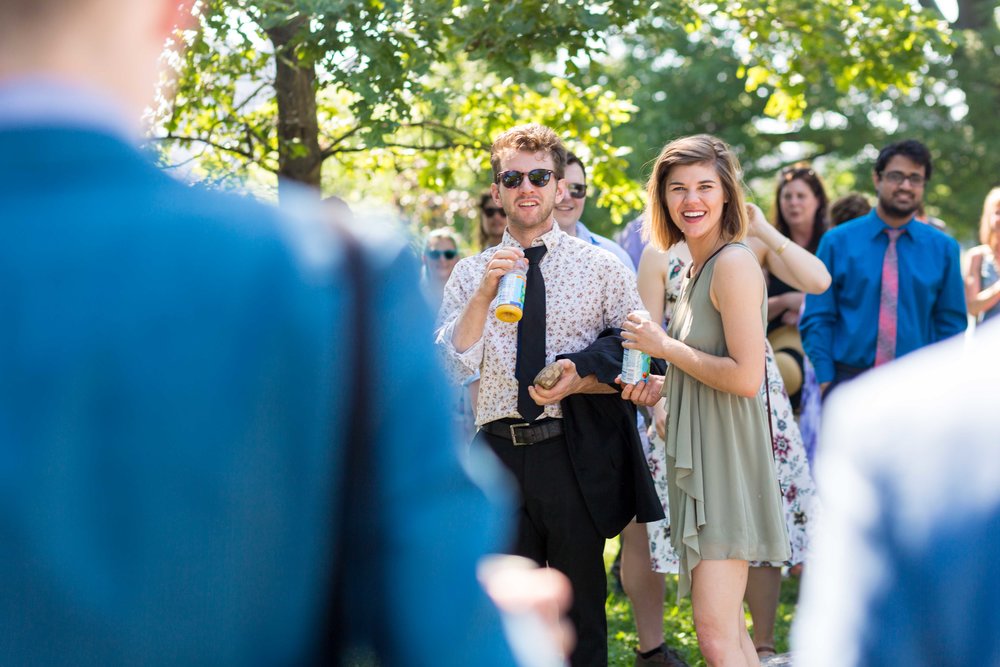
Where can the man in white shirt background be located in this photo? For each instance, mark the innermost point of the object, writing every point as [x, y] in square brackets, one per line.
[569, 210]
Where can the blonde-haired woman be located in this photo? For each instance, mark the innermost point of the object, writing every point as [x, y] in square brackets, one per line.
[725, 504]
[982, 263]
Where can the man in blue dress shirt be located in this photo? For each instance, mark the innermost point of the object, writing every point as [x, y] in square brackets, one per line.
[840, 327]
[178, 373]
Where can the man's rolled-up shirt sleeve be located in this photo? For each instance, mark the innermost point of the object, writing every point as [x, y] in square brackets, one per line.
[458, 365]
[457, 293]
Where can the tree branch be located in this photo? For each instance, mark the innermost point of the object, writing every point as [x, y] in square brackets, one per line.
[393, 144]
[208, 142]
[332, 147]
[435, 126]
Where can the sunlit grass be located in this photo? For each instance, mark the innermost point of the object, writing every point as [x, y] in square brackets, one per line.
[678, 626]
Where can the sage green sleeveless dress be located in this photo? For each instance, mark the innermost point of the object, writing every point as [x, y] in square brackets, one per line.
[725, 502]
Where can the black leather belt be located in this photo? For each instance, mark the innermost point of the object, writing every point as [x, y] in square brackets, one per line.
[521, 433]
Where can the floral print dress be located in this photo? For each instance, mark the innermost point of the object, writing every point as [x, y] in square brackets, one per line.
[798, 492]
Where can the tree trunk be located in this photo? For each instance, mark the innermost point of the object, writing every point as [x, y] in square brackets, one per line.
[974, 14]
[299, 155]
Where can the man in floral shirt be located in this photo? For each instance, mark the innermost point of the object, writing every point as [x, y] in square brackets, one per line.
[586, 290]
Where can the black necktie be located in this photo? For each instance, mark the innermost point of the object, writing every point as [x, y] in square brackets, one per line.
[531, 335]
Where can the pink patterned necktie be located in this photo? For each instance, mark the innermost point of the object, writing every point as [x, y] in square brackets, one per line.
[885, 344]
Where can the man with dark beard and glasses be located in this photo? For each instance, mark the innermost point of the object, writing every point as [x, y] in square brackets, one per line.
[897, 286]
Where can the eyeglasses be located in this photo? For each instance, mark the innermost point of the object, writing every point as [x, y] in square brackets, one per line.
[450, 253]
[577, 190]
[897, 178]
[490, 211]
[513, 179]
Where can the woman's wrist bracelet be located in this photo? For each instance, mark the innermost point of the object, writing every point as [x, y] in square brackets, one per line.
[782, 247]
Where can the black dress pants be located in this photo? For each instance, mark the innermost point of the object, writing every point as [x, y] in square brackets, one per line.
[554, 528]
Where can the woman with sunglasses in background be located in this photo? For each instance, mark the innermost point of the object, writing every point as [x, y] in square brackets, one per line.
[439, 260]
[492, 221]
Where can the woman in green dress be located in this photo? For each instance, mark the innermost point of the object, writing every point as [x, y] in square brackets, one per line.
[725, 504]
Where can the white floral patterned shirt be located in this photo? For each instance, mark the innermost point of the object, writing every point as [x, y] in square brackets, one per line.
[587, 289]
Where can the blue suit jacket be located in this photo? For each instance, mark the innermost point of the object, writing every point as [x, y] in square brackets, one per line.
[173, 390]
[904, 570]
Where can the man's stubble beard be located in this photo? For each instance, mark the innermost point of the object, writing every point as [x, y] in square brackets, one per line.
[895, 211]
[547, 209]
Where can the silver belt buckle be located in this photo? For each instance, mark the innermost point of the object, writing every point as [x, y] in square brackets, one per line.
[513, 434]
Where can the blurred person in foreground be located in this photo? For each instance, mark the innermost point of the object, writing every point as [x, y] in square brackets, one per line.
[982, 263]
[180, 380]
[904, 571]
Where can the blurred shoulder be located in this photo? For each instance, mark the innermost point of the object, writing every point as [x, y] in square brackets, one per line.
[978, 251]
[929, 446]
[930, 402]
[314, 237]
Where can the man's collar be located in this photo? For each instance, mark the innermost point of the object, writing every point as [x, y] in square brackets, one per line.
[878, 225]
[550, 238]
[46, 101]
[583, 233]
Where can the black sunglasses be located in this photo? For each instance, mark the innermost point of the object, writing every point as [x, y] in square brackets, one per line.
[450, 253]
[490, 211]
[577, 190]
[513, 179]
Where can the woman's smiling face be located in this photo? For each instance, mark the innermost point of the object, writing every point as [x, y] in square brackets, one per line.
[695, 199]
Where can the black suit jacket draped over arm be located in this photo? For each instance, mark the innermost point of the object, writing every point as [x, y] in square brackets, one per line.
[604, 443]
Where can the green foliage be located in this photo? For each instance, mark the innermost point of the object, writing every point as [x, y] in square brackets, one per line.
[439, 155]
[409, 93]
[796, 44]
[685, 81]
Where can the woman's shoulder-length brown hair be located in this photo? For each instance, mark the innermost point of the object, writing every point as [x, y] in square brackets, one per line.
[658, 226]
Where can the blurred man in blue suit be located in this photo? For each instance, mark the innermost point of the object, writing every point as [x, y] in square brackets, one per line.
[904, 570]
[177, 380]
